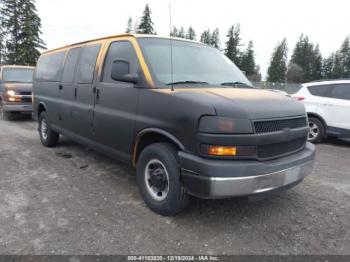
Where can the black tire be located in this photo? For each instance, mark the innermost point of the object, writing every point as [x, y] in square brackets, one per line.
[176, 198]
[317, 130]
[51, 137]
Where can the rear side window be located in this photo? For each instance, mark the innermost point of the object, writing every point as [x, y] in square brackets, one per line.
[322, 90]
[50, 67]
[341, 91]
[122, 50]
[70, 65]
[87, 64]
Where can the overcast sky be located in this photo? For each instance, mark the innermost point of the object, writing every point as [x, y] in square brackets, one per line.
[264, 22]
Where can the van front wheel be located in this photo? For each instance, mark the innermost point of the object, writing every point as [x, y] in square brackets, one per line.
[48, 137]
[158, 178]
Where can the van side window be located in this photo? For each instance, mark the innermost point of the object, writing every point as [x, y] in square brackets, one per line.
[70, 65]
[87, 64]
[341, 91]
[50, 67]
[119, 50]
[322, 90]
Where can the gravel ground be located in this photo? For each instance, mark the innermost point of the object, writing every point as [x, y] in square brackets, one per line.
[71, 200]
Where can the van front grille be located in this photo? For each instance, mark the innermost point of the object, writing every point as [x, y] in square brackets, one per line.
[27, 99]
[279, 149]
[270, 126]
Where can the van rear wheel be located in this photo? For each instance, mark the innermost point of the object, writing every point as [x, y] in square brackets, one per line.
[158, 178]
[48, 137]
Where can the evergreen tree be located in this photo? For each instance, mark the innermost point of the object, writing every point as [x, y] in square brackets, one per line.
[316, 72]
[327, 67]
[146, 25]
[206, 37]
[232, 50]
[174, 32]
[181, 32]
[342, 63]
[30, 34]
[277, 70]
[191, 34]
[294, 73]
[215, 39]
[338, 69]
[21, 26]
[129, 26]
[308, 58]
[248, 64]
[178, 32]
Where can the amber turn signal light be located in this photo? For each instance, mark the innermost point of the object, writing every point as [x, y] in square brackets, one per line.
[222, 150]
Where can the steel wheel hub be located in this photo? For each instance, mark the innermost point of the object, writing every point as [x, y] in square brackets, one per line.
[157, 180]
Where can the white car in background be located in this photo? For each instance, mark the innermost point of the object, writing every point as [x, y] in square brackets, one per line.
[327, 104]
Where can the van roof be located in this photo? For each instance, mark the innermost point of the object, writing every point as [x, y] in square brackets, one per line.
[121, 35]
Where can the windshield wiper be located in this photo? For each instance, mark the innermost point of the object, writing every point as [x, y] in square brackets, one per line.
[187, 82]
[235, 84]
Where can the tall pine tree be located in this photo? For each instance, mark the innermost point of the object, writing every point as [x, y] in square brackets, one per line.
[129, 26]
[21, 26]
[30, 35]
[215, 39]
[307, 57]
[277, 70]
[206, 37]
[232, 50]
[327, 67]
[191, 34]
[146, 25]
[248, 64]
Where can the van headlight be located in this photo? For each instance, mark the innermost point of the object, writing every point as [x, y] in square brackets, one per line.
[224, 125]
[11, 93]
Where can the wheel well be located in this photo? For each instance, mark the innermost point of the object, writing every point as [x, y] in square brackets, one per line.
[41, 108]
[148, 139]
[319, 118]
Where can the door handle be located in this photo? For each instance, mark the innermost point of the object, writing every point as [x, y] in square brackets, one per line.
[60, 87]
[75, 92]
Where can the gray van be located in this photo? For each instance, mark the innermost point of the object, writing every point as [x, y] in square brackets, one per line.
[178, 111]
[15, 90]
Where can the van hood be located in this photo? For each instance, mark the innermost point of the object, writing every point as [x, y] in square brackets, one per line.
[245, 103]
[18, 87]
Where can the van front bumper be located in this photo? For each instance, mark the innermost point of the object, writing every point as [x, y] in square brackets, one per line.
[208, 178]
[18, 107]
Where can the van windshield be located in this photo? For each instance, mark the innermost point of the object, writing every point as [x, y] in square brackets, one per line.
[193, 64]
[18, 75]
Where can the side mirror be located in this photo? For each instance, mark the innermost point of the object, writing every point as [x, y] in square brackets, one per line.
[121, 72]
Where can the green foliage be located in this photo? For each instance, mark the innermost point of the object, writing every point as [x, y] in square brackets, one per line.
[277, 70]
[129, 26]
[206, 37]
[191, 34]
[247, 62]
[178, 32]
[21, 31]
[341, 65]
[232, 50]
[146, 25]
[215, 39]
[308, 57]
[211, 38]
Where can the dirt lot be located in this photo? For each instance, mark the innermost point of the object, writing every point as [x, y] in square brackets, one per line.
[71, 200]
